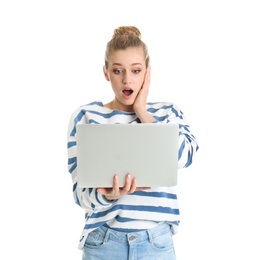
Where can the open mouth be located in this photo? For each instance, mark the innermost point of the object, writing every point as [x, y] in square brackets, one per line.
[128, 92]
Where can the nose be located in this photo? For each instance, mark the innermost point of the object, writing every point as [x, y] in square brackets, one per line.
[126, 78]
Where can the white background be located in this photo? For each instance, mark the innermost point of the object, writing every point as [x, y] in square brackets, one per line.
[205, 58]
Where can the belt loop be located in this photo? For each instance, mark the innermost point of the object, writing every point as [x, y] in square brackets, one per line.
[173, 229]
[107, 235]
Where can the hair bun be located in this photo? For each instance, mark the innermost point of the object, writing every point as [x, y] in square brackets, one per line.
[127, 30]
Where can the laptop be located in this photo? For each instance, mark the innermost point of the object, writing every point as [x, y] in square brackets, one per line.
[147, 151]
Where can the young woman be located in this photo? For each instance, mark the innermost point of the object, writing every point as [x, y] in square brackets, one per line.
[130, 222]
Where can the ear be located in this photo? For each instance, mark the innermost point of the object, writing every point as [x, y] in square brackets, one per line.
[106, 73]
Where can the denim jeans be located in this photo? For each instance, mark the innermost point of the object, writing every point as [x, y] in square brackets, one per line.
[107, 244]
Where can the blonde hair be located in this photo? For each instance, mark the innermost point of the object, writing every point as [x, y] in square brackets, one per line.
[126, 37]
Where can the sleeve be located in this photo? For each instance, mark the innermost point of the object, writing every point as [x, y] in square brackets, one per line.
[85, 197]
[188, 145]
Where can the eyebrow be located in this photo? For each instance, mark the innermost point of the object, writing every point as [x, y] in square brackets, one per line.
[133, 64]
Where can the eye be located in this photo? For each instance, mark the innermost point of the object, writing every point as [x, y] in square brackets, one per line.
[136, 71]
[116, 71]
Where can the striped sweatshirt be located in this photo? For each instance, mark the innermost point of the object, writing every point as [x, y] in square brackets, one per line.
[141, 209]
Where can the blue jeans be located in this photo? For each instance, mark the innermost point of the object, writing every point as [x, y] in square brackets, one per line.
[107, 244]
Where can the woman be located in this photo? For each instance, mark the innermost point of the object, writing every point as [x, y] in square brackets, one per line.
[130, 222]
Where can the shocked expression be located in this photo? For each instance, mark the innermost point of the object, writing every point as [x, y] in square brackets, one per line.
[126, 71]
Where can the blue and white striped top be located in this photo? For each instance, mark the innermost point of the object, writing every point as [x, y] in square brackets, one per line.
[141, 209]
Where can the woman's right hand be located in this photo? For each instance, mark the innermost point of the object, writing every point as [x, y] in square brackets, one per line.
[116, 192]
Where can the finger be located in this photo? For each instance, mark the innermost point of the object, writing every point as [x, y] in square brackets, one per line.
[116, 184]
[101, 190]
[148, 75]
[104, 191]
[143, 188]
[147, 80]
[133, 186]
[127, 186]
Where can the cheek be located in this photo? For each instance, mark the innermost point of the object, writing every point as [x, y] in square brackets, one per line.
[114, 81]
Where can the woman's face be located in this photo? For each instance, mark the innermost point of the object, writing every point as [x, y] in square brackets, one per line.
[126, 71]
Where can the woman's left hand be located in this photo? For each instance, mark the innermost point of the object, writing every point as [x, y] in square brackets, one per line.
[140, 101]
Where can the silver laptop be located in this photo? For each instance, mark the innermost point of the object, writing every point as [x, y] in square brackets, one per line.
[148, 152]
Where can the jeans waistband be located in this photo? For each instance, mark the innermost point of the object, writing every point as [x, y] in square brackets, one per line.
[136, 237]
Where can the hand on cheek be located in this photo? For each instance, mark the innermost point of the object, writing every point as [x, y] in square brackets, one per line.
[141, 98]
